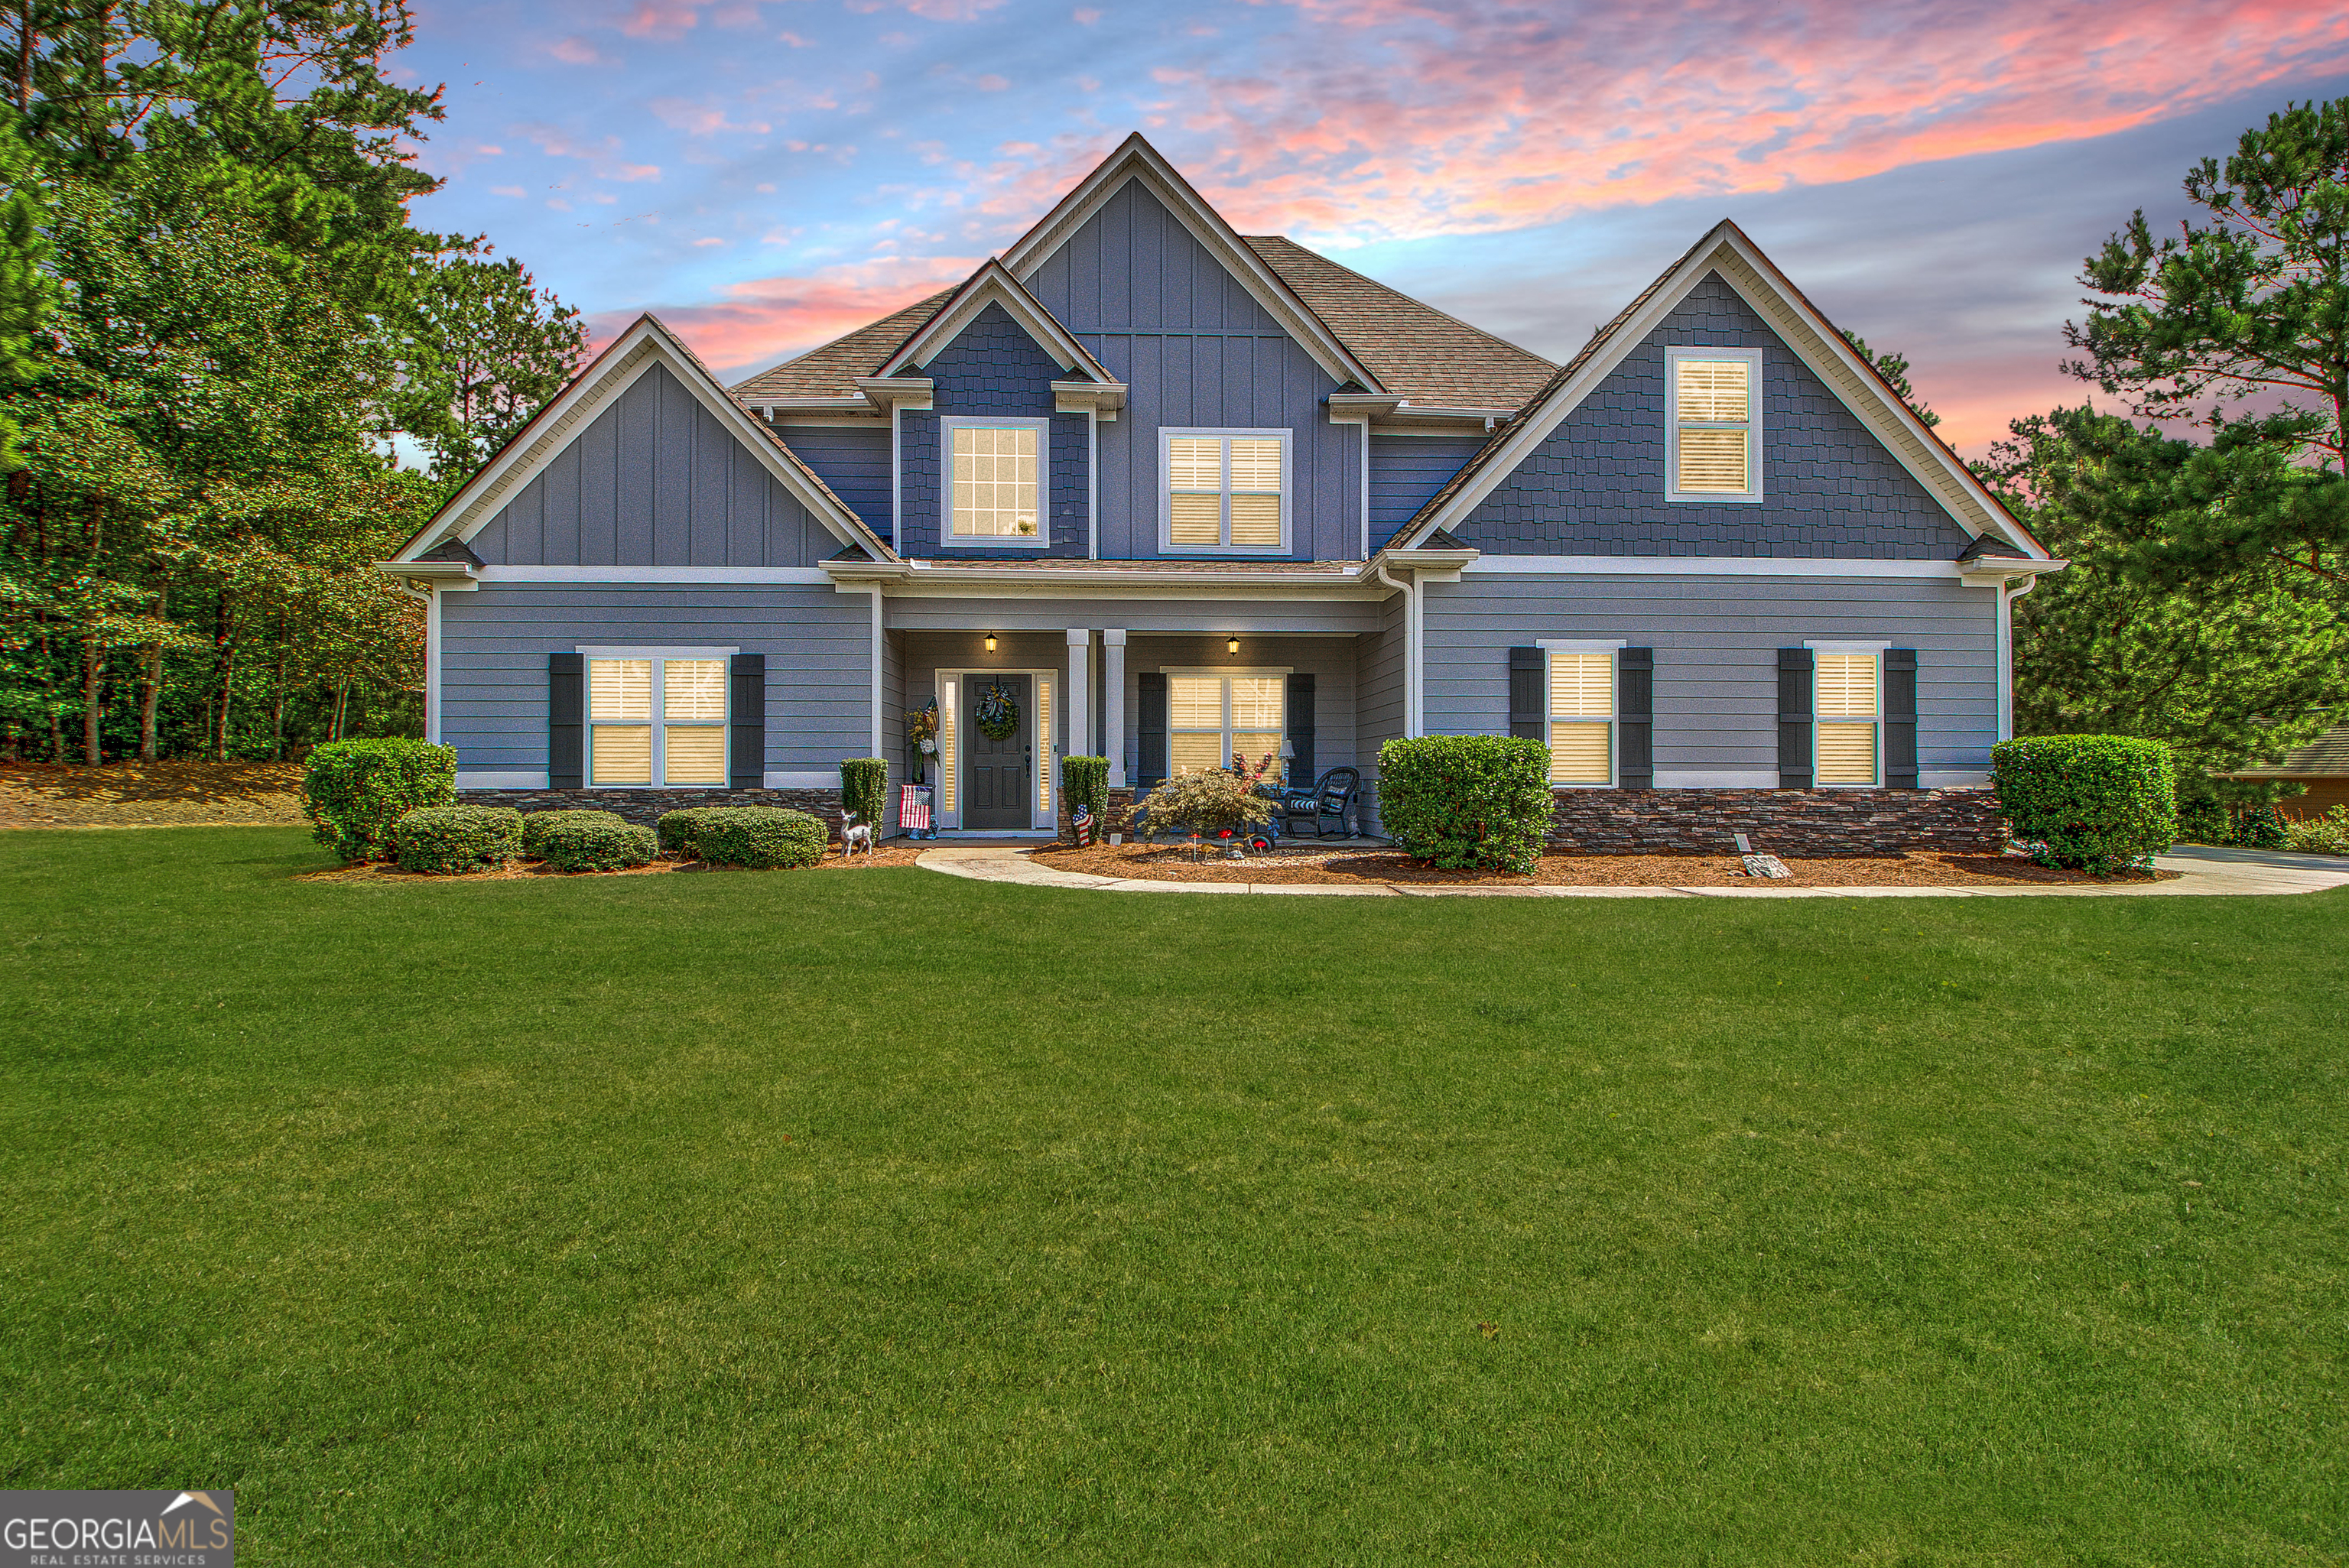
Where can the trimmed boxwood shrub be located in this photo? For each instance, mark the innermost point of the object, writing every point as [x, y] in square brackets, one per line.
[1084, 781]
[2100, 803]
[591, 840]
[864, 788]
[357, 791]
[1463, 801]
[677, 828]
[763, 837]
[449, 840]
[535, 826]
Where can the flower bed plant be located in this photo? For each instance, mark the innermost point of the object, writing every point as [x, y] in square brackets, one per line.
[1211, 804]
[449, 840]
[355, 791]
[2326, 835]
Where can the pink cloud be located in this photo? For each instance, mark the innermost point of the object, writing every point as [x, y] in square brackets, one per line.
[661, 18]
[602, 157]
[769, 320]
[702, 118]
[574, 51]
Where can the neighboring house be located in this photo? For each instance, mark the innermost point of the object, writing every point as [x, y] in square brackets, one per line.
[1180, 493]
[2322, 765]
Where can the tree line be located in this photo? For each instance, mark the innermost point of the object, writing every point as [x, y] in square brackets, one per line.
[216, 320]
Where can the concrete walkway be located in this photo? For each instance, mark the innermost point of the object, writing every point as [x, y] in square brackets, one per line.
[2200, 871]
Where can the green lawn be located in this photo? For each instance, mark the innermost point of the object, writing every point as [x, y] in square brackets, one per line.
[819, 1218]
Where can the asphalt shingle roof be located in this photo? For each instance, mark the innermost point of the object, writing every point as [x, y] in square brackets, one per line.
[832, 370]
[2326, 757]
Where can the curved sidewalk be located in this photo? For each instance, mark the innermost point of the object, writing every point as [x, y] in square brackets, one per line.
[2201, 870]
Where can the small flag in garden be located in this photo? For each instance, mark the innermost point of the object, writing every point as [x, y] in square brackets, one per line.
[1081, 821]
[914, 808]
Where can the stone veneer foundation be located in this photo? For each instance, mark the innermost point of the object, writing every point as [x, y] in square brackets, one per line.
[646, 806]
[1777, 821]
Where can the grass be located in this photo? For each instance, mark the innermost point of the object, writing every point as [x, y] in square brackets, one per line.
[890, 1217]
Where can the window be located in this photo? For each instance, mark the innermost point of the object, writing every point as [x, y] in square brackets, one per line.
[1845, 693]
[1715, 428]
[1581, 718]
[1212, 719]
[993, 476]
[1226, 490]
[679, 739]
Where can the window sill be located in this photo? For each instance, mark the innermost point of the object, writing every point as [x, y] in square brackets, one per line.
[1679, 498]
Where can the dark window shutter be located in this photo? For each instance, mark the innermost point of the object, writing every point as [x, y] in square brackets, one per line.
[1151, 729]
[746, 734]
[1635, 718]
[566, 720]
[1900, 718]
[1795, 712]
[1300, 729]
[1529, 694]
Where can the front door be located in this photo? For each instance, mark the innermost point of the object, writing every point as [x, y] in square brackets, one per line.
[998, 786]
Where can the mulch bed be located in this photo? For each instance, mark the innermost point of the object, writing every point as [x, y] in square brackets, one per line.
[887, 855]
[150, 794]
[1172, 862]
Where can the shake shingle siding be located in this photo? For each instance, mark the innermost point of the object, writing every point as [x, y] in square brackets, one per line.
[1596, 486]
[653, 481]
[1716, 642]
[495, 641]
[991, 370]
[853, 461]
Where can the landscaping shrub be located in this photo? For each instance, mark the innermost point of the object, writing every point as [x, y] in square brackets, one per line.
[2100, 803]
[449, 840]
[1211, 803]
[357, 791]
[591, 840]
[535, 826]
[678, 830]
[2201, 820]
[2326, 835]
[865, 789]
[1462, 802]
[1084, 781]
[2260, 827]
[758, 836]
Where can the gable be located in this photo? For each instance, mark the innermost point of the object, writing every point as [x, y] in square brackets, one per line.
[992, 367]
[1595, 485]
[653, 479]
[1135, 265]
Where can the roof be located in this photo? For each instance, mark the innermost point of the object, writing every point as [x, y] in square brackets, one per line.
[2326, 757]
[832, 370]
[1422, 355]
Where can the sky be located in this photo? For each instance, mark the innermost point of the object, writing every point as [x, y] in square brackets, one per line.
[767, 174]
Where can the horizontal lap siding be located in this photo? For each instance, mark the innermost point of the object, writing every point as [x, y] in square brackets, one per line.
[1380, 696]
[495, 641]
[854, 461]
[1407, 469]
[656, 480]
[1716, 641]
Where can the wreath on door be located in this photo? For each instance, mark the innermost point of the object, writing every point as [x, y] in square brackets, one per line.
[998, 713]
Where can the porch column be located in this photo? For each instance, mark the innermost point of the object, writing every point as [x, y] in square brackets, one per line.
[1113, 703]
[1081, 662]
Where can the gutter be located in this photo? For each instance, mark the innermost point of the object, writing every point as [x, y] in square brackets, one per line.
[1411, 699]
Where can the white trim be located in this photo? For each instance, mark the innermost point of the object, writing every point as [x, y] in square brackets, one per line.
[1168, 434]
[1584, 645]
[799, 779]
[879, 643]
[433, 665]
[1079, 716]
[1093, 484]
[1752, 424]
[501, 778]
[993, 284]
[1709, 566]
[634, 651]
[1225, 674]
[809, 575]
[1851, 648]
[657, 722]
[1113, 703]
[1221, 669]
[1042, 815]
[896, 475]
[1875, 721]
[1716, 779]
[1041, 540]
[1550, 721]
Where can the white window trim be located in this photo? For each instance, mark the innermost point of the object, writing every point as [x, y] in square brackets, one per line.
[947, 688]
[1875, 651]
[1753, 358]
[948, 537]
[659, 722]
[1226, 673]
[1166, 545]
[1614, 707]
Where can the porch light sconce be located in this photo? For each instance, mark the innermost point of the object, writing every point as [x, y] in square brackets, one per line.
[991, 641]
[1231, 645]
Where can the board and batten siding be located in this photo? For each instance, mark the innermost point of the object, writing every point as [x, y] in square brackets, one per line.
[654, 479]
[1407, 469]
[495, 640]
[1716, 642]
[1196, 351]
[853, 459]
[1595, 486]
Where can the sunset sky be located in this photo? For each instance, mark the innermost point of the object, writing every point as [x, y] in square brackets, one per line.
[766, 176]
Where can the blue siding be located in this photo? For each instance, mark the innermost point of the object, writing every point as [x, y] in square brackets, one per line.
[854, 461]
[1596, 486]
[1195, 349]
[1407, 469]
[653, 481]
[992, 369]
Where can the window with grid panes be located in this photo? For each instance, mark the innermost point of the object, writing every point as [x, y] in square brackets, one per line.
[1212, 720]
[1847, 692]
[1581, 718]
[994, 484]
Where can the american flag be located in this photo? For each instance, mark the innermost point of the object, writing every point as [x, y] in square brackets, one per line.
[914, 808]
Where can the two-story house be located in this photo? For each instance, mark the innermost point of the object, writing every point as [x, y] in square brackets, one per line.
[1165, 493]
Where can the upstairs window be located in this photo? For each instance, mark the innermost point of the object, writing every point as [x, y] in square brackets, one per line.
[1849, 719]
[1225, 490]
[656, 721]
[995, 492]
[1715, 437]
[1581, 718]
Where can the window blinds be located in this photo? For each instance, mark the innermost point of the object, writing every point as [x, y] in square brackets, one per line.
[1846, 696]
[995, 486]
[1582, 715]
[1224, 491]
[1712, 412]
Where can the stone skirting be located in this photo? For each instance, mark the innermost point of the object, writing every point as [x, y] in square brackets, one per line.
[1777, 821]
[648, 806]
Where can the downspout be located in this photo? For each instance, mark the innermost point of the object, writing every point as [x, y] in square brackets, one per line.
[2007, 595]
[1411, 699]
